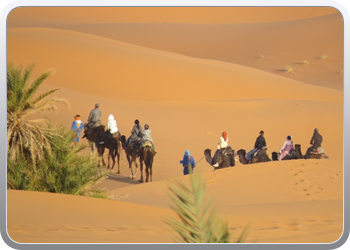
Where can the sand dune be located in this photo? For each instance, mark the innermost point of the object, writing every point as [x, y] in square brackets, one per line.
[48, 16]
[112, 63]
[190, 79]
[271, 47]
[299, 189]
[268, 46]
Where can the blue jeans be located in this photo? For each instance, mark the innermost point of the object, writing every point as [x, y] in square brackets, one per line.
[250, 154]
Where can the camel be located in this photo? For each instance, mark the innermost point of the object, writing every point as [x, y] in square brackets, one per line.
[291, 155]
[146, 155]
[275, 156]
[225, 160]
[131, 155]
[94, 135]
[319, 154]
[114, 145]
[298, 151]
[261, 156]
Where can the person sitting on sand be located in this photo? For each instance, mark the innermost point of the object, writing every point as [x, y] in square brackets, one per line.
[187, 162]
[260, 143]
[222, 145]
[286, 148]
[315, 142]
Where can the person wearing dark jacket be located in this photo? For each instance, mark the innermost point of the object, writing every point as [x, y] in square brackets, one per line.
[260, 143]
[316, 141]
[136, 133]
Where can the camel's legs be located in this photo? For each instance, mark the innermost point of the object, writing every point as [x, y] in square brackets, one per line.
[117, 153]
[118, 164]
[147, 173]
[130, 167]
[136, 168]
[141, 169]
[150, 173]
[111, 155]
[92, 145]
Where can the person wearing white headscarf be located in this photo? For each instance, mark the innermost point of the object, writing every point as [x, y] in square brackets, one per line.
[111, 128]
[112, 124]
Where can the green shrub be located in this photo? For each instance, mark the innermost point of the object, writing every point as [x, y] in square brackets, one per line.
[198, 222]
[62, 170]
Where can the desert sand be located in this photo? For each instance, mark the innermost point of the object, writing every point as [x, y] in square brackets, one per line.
[192, 73]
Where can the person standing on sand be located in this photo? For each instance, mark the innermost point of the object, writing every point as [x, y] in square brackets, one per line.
[187, 162]
[77, 127]
[315, 142]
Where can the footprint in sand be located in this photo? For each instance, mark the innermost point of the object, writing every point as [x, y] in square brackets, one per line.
[158, 193]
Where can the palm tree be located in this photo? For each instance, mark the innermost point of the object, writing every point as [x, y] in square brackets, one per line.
[26, 135]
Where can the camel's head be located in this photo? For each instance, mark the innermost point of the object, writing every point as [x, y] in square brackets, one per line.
[207, 152]
[241, 152]
[274, 156]
[123, 140]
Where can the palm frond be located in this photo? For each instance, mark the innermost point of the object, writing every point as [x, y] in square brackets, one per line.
[23, 135]
[28, 93]
[198, 223]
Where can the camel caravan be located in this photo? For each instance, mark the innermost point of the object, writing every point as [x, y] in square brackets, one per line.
[139, 146]
[115, 144]
[225, 155]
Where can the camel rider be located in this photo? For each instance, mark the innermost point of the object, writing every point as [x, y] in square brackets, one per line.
[260, 143]
[136, 134]
[286, 148]
[112, 129]
[146, 135]
[315, 142]
[222, 145]
[94, 117]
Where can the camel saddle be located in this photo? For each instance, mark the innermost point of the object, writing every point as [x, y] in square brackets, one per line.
[227, 151]
[147, 143]
[317, 151]
[137, 144]
[257, 152]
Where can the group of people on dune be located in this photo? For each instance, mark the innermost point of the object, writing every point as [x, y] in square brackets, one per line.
[260, 143]
[139, 136]
[136, 139]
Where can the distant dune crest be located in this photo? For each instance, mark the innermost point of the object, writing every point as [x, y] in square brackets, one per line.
[50, 15]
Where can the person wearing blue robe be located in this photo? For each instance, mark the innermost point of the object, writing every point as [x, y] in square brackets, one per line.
[187, 160]
[77, 127]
